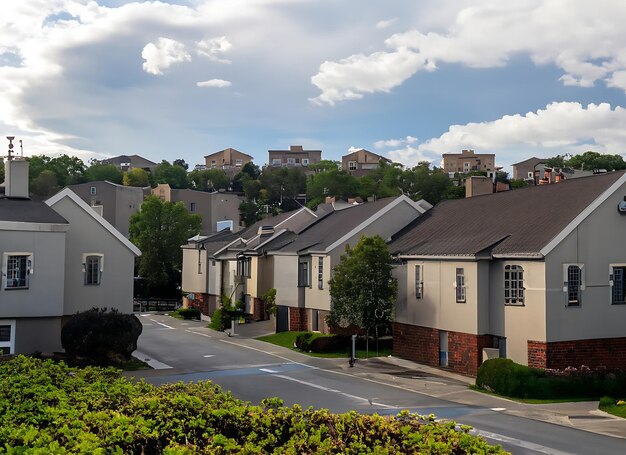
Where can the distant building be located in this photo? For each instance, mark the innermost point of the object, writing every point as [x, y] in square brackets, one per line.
[361, 162]
[218, 210]
[115, 203]
[228, 159]
[468, 161]
[128, 162]
[296, 156]
[527, 169]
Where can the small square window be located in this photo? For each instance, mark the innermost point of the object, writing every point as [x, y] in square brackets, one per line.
[92, 190]
[305, 161]
[192, 207]
[18, 270]
[352, 165]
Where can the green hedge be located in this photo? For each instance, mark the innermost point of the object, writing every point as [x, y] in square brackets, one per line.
[505, 377]
[186, 313]
[47, 407]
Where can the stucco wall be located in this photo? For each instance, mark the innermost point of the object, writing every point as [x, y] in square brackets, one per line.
[518, 323]
[37, 334]
[44, 296]
[86, 235]
[192, 281]
[286, 280]
[315, 297]
[597, 242]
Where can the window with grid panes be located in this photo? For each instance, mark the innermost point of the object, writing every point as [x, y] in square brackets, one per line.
[513, 285]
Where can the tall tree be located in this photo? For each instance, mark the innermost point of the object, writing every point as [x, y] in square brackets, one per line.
[174, 176]
[99, 172]
[159, 229]
[45, 184]
[362, 289]
[208, 180]
[136, 177]
[592, 161]
[180, 162]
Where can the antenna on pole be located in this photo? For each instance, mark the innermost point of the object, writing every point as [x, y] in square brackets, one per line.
[10, 151]
[21, 149]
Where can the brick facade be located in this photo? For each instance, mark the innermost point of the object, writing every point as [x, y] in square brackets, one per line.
[421, 344]
[258, 308]
[297, 319]
[607, 353]
[206, 303]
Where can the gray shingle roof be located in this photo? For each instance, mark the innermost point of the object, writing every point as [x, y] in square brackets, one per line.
[518, 222]
[326, 231]
[28, 211]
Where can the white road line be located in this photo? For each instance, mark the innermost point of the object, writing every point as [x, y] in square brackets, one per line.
[155, 364]
[164, 325]
[518, 442]
[339, 392]
[267, 370]
[208, 356]
[498, 409]
[272, 354]
[197, 333]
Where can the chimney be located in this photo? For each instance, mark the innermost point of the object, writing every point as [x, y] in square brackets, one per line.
[15, 174]
[296, 148]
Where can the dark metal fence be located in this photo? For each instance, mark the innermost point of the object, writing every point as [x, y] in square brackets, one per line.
[141, 305]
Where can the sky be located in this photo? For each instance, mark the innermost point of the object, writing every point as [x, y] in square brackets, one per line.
[405, 79]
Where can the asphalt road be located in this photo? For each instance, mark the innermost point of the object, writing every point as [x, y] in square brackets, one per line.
[253, 370]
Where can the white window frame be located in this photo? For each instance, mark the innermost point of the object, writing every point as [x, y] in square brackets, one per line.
[320, 272]
[612, 280]
[93, 190]
[276, 161]
[566, 284]
[459, 285]
[352, 166]
[244, 266]
[30, 269]
[291, 161]
[419, 281]
[518, 288]
[85, 258]
[11, 343]
[304, 273]
[238, 163]
[305, 161]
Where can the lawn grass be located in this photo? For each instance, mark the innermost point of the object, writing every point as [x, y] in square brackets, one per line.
[533, 400]
[610, 406]
[288, 340]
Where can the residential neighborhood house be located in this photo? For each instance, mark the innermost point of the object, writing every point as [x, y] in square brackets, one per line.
[296, 156]
[468, 161]
[361, 162]
[537, 275]
[128, 162]
[229, 160]
[58, 257]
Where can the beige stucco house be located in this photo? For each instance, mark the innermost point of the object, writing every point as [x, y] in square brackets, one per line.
[227, 159]
[536, 275]
[58, 257]
[361, 162]
[296, 156]
[468, 161]
[302, 263]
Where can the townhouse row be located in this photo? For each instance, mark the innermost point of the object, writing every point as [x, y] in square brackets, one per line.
[536, 275]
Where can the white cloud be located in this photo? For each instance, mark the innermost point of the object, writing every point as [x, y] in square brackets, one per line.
[381, 25]
[562, 127]
[213, 47]
[585, 39]
[219, 83]
[395, 142]
[163, 54]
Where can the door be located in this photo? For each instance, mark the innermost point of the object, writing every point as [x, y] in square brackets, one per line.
[282, 319]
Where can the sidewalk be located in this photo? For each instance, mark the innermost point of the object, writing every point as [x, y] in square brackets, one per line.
[454, 387]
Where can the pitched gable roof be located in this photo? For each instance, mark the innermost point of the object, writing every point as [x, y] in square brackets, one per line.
[522, 222]
[68, 193]
[28, 211]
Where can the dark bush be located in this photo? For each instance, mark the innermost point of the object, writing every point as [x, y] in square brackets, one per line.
[101, 334]
[189, 313]
[505, 377]
[330, 343]
[220, 320]
[303, 341]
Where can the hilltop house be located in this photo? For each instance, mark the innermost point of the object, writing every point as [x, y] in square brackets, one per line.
[537, 275]
[296, 156]
[229, 160]
[468, 161]
[127, 162]
[361, 162]
[58, 257]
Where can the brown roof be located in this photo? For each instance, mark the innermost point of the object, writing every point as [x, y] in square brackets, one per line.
[518, 222]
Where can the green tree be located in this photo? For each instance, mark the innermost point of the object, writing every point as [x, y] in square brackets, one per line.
[68, 169]
[331, 183]
[180, 162]
[136, 177]
[208, 180]
[98, 172]
[362, 289]
[175, 176]
[45, 184]
[159, 229]
[592, 161]
[249, 212]
[556, 162]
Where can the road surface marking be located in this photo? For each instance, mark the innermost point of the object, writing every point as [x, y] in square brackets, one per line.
[270, 353]
[208, 355]
[197, 333]
[267, 370]
[155, 364]
[328, 389]
[498, 409]
[164, 325]
[518, 442]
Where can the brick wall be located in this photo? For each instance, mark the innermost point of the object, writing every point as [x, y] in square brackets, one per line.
[421, 344]
[206, 303]
[607, 353]
[258, 310]
[297, 319]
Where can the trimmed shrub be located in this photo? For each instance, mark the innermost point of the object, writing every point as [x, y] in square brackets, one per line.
[303, 341]
[188, 313]
[220, 320]
[101, 334]
[47, 407]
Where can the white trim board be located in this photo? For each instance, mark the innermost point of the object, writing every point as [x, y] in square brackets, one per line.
[66, 192]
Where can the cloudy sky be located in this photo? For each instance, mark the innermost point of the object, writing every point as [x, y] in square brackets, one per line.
[409, 80]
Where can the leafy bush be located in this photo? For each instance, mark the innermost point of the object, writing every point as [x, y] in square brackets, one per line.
[47, 407]
[219, 321]
[101, 334]
[505, 377]
[186, 313]
[303, 341]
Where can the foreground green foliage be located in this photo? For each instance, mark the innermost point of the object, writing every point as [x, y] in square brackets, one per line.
[613, 406]
[507, 378]
[317, 344]
[46, 407]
